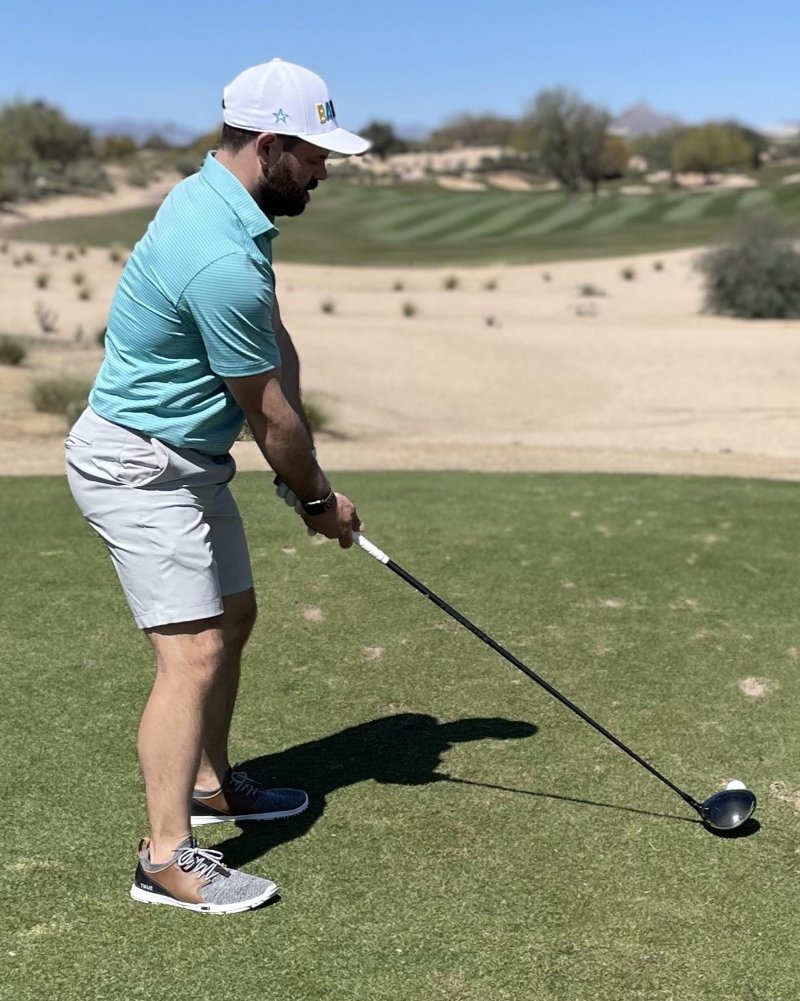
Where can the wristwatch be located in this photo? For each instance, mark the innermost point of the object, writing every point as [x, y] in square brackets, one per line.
[316, 507]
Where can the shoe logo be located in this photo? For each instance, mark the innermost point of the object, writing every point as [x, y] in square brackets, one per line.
[146, 886]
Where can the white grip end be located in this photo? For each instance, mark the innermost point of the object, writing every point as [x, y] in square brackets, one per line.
[368, 547]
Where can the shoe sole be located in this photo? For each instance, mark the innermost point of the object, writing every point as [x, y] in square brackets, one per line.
[200, 820]
[143, 897]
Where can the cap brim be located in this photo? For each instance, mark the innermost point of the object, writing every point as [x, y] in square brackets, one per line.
[338, 141]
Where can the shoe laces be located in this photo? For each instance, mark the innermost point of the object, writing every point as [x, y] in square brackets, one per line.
[205, 863]
[242, 783]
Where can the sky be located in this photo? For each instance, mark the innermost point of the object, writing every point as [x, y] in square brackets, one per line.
[415, 64]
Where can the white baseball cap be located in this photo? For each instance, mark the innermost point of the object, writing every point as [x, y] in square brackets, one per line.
[289, 100]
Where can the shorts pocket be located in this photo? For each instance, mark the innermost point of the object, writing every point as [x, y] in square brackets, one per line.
[141, 462]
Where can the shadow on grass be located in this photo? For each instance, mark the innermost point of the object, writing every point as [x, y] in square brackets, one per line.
[748, 828]
[405, 749]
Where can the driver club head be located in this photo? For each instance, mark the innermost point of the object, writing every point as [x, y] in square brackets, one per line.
[728, 809]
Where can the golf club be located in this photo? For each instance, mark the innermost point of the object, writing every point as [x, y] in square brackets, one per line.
[723, 811]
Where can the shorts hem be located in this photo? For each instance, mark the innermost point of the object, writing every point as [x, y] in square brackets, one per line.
[172, 616]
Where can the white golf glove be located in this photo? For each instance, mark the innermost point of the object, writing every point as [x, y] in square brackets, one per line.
[286, 494]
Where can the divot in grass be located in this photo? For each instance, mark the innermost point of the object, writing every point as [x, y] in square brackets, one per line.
[372, 653]
[781, 792]
[757, 688]
[313, 614]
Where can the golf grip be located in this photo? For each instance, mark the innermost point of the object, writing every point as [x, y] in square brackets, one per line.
[381, 557]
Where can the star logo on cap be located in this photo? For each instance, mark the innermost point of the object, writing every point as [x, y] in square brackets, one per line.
[280, 116]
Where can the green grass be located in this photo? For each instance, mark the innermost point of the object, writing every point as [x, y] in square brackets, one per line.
[423, 224]
[565, 873]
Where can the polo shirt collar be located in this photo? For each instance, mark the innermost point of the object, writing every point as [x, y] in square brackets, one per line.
[229, 187]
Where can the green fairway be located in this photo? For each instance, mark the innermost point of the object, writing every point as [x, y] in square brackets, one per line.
[430, 225]
[556, 869]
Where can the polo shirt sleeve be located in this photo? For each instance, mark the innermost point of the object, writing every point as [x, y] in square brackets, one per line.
[230, 302]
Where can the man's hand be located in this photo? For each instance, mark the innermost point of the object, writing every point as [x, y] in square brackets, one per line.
[339, 522]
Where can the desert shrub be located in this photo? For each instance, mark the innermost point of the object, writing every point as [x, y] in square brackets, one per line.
[490, 285]
[60, 393]
[588, 290]
[116, 255]
[46, 318]
[398, 286]
[317, 413]
[658, 265]
[84, 292]
[328, 306]
[546, 276]
[409, 309]
[42, 279]
[138, 174]
[756, 275]
[12, 350]
[451, 282]
[78, 278]
[628, 274]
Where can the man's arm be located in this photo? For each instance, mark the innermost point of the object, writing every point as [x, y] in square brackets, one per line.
[290, 367]
[279, 432]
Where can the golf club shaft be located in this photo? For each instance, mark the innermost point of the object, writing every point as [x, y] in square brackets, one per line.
[381, 557]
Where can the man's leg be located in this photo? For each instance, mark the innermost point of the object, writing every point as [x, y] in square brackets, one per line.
[237, 624]
[190, 707]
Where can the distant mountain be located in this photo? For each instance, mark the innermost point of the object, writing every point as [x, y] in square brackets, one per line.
[640, 119]
[141, 131]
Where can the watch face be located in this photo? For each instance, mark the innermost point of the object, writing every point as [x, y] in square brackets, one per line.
[320, 506]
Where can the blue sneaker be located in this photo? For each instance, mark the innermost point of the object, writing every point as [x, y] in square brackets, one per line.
[240, 798]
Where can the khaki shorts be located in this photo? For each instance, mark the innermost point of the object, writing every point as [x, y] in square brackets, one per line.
[167, 516]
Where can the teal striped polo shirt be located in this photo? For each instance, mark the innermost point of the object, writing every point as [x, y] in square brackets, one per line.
[193, 305]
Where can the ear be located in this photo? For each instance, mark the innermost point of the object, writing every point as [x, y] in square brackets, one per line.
[268, 148]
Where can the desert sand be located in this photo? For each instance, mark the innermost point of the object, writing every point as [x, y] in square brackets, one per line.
[512, 369]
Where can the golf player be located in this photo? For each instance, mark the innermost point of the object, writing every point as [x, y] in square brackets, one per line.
[195, 346]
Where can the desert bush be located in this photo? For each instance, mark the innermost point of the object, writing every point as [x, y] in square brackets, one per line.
[328, 306]
[117, 255]
[756, 275]
[588, 290]
[546, 276]
[317, 414]
[59, 394]
[658, 265]
[78, 278]
[490, 285]
[84, 292]
[628, 274]
[42, 279]
[12, 350]
[451, 282]
[398, 286]
[409, 309]
[46, 318]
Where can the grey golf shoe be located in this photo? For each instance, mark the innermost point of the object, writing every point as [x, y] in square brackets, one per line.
[196, 880]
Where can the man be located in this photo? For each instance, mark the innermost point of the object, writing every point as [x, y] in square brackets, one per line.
[194, 346]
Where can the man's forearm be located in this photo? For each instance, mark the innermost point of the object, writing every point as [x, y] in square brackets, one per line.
[290, 375]
[287, 446]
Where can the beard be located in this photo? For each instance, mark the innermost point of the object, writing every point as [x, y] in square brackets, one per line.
[279, 193]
